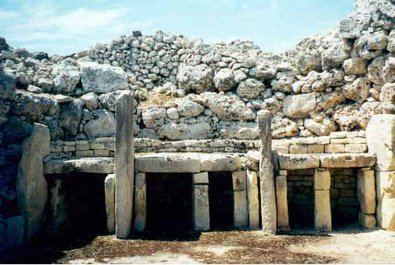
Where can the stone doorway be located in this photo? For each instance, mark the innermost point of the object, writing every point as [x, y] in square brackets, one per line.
[221, 200]
[169, 202]
[77, 202]
[344, 200]
[300, 184]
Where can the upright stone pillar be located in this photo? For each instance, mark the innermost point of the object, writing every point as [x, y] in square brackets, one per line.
[31, 185]
[109, 194]
[367, 197]
[380, 137]
[322, 200]
[140, 202]
[240, 203]
[253, 199]
[282, 201]
[266, 175]
[124, 158]
[201, 207]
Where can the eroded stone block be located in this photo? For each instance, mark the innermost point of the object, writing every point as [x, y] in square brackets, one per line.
[140, 202]
[240, 203]
[292, 162]
[220, 162]
[109, 194]
[322, 210]
[367, 220]
[201, 208]
[253, 199]
[168, 163]
[322, 179]
[366, 191]
[282, 203]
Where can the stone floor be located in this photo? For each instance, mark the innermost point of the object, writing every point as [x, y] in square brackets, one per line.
[347, 245]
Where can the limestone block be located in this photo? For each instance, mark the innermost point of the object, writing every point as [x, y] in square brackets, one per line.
[335, 148]
[240, 204]
[292, 162]
[168, 163]
[14, 235]
[31, 185]
[200, 178]
[220, 162]
[367, 220]
[140, 202]
[347, 160]
[102, 165]
[124, 156]
[322, 210]
[201, 208]
[356, 148]
[266, 174]
[315, 148]
[298, 149]
[385, 188]
[282, 203]
[253, 199]
[380, 136]
[366, 191]
[109, 194]
[322, 179]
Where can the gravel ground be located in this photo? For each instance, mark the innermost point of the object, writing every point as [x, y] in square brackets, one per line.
[349, 245]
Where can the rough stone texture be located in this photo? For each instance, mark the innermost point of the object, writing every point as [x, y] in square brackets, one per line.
[168, 163]
[109, 194]
[103, 165]
[240, 202]
[385, 183]
[91, 100]
[292, 162]
[355, 66]
[188, 108]
[253, 199]
[266, 175]
[220, 162]
[224, 80]
[140, 202]
[322, 210]
[347, 160]
[380, 136]
[200, 204]
[387, 97]
[322, 179]
[250, 88]
[389, 70]
[198, 78]
[366, 191]
[103, 125]
[100, 78]
[31, 184]
[282, 203]
[124, 155]
[367, 221]
[299, 106]
[57, 215]
[67, 77]
[357, 90]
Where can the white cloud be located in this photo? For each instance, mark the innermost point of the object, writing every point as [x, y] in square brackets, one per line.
[8, 14]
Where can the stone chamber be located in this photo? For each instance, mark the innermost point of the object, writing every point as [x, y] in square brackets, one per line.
[163, 134]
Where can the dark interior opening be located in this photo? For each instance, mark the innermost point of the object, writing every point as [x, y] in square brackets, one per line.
[221, 200]
[300, 184]
[84, 202]
[344, 200]
[169, 202]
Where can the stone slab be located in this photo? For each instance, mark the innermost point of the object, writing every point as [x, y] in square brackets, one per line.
[366, 191]
[322, 211]
[101, 165]
[140, 202]
[300, 161]
[109, 194]
[253, 199]
[168, 163]
[201, 208]
[322, 179]
[347, 160]
[282, 203]
[200, 178]
[367, 220]
[240, 203]
[220, 162]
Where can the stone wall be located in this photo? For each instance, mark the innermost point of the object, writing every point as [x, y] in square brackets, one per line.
[186, 89]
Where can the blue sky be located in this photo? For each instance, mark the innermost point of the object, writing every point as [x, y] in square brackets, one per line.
[66, 26]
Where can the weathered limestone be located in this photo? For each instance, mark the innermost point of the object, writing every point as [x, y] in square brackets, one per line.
[366, 191]
[266, 174]
[200, 205]
[109, 195]
[322, 203]
[380, 136]
[282, 201]
[385, 188]
[292, 162]
[57, 214]
[124, 155]
[104, 165]
[347, 160]
[367, 220]
[240, 204]
[168, 163]
[220, 162]
[31, 184]
[140, 202]
[253, 199]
